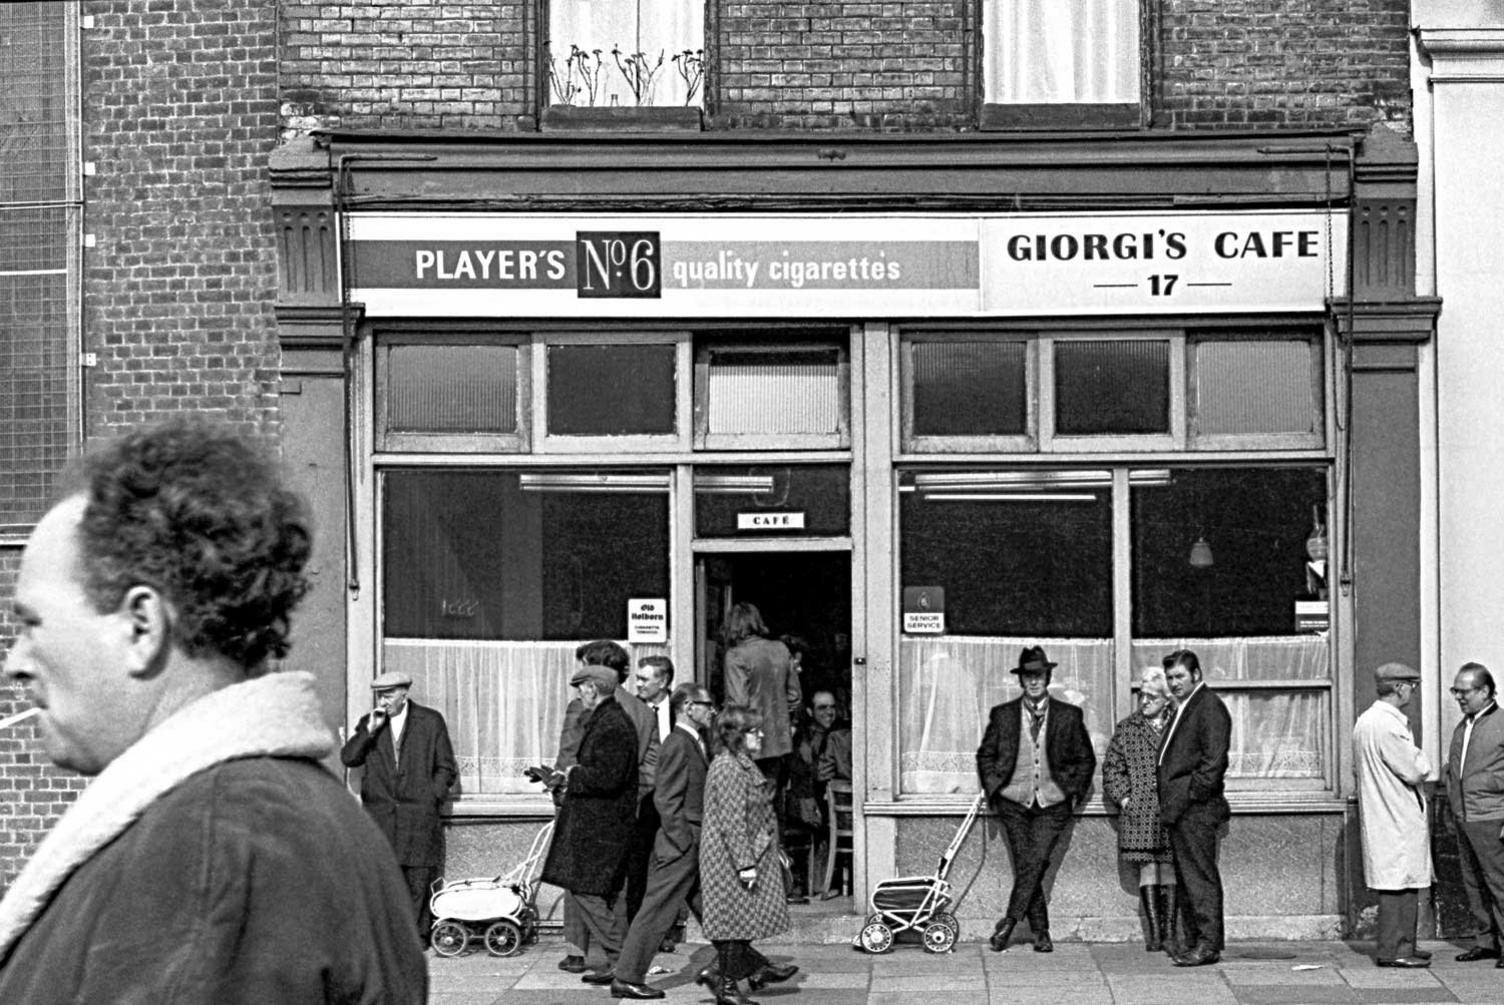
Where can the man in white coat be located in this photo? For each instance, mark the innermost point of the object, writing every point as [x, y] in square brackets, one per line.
[1392, 809]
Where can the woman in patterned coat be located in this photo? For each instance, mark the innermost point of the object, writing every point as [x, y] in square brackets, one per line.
[741, 882]
[1129, 779]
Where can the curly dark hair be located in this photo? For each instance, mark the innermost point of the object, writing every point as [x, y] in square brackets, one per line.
[199, 514]
[732, 726]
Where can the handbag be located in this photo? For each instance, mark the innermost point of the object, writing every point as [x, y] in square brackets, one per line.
[786, 870]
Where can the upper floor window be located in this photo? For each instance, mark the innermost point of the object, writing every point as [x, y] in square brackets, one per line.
[1061, 63]
[625, 53]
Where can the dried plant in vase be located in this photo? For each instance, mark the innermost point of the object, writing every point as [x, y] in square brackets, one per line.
[691, 67]
[641, 75]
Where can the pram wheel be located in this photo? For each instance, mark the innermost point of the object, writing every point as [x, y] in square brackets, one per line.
[503, 939]
[947, 919]
[449, 938]
[939, 937]
[875, 936]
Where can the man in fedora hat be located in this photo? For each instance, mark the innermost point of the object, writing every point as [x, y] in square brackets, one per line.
[1035, 763]
[409, 766]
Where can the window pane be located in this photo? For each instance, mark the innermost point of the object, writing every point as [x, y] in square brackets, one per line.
[502, 555]
[452, 388]
[1118, 387]
[773, 393]
[1061, 51]
[611, 390]
[590, 29]
[727, 498]
[969, 388]
[1248, 530]
[1254, 387]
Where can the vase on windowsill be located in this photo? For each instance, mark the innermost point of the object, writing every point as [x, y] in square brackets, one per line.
[622, 119]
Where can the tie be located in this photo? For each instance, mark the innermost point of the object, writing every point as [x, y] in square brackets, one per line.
[396, 748]
[1164, 738]
[1036, 719]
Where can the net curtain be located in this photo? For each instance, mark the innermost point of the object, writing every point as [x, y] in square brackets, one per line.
[1061, 51]
[503, 702]
[652, 27]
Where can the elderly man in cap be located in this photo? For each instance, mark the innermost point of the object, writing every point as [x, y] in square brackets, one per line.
[409, 766]
[1392, 812]
[1035, 763]
[588, 856]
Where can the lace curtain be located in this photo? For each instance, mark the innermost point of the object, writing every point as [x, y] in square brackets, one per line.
[948, 685]
[652, 27]
[503, 702]
[1061, 51]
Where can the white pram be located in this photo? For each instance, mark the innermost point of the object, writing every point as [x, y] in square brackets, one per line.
[919, 903]
[500, 910]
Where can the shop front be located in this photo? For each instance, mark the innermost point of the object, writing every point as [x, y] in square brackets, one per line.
[919, 434]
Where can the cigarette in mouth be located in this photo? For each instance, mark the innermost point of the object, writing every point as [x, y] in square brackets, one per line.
[18, 717]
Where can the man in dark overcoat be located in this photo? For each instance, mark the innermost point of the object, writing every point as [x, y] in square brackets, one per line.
[1192, 766]
[1035, 763]
[587, 858]
[405, 783]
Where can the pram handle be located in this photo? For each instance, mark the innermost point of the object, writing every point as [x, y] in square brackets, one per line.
[960, 838]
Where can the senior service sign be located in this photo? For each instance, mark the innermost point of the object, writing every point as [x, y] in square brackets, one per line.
[480, 265]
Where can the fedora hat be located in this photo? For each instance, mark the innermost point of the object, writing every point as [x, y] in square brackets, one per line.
[1033, 660]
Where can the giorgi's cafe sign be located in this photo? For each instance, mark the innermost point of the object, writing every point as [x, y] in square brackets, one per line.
[724, 265]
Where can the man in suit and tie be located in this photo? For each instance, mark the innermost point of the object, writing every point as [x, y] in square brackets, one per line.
[1035, 763]
[1475, 790]
[409, 767]
[1192, 766]
[674, 878]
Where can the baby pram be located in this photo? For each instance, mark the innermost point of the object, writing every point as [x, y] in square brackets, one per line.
[917, 903]
[501, 911]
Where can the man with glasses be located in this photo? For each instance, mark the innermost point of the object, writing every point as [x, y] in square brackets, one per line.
[1392, 813]
[674, 878]
[1475, 790]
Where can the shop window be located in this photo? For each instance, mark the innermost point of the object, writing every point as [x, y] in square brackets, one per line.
[1022, 558]
[446, 396]
[40, 226]
[1255, 392]
[611, 392]
[489, 581]
[625, 53]
[800, 500]
[973, 394]
[771, 396]
[1119, 387]
[1062, 63]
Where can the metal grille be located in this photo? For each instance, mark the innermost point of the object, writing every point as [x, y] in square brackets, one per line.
[39, 225]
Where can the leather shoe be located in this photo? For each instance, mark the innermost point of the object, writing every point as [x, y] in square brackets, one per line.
[1201, 956]
[668, 944]
[771, 974]
[572, 964]
[626, 989]
[604, 977]
[1001, 933]
[1477, 953]
[708, 977]
[1405, 963]
[1421, 954]
[1042, 941]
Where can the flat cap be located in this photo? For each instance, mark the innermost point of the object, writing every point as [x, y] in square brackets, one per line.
[391, 679]
[595, 674]
[1395, 671]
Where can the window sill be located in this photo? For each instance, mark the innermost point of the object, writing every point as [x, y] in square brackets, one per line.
[474, 809]
[648, 119]
[1242, 803]
[1060, 118]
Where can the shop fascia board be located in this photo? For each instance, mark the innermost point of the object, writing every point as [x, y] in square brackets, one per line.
[543, 173]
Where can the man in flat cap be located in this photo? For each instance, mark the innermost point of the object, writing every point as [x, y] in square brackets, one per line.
[1035, 764]
[1392, 812]
[588, 856]
[409, 767]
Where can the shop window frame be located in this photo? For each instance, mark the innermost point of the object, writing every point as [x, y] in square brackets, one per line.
[1026, 116]
[388, 439]
[706, 440]
[1005, 443]
[678, 440]
[1174, 439]
[1313, 440]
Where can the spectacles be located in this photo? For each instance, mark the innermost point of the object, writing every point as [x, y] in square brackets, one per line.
[1143, 698]
[825, 708]
[696, 701]
[1458, 692]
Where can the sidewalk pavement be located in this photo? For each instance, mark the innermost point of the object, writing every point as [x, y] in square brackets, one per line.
[1251, 973]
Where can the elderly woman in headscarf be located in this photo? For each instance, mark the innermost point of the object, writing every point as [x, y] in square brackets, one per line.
[1129, 780]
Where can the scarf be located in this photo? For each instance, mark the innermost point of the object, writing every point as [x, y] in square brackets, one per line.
[276, 715]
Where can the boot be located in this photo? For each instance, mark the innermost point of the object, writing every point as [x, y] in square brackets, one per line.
[727, 993]
[1149, 898]
[1174, 930]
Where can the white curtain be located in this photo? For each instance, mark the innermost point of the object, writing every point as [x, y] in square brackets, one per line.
[1061, 51]
[503, 702]
[948, 685]
[653, 27]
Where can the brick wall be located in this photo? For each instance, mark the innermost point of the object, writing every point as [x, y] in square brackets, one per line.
[1223, 64]
[180, 114]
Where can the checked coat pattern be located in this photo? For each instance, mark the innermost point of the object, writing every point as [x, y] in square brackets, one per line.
[1129, 774]
[738, 833]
